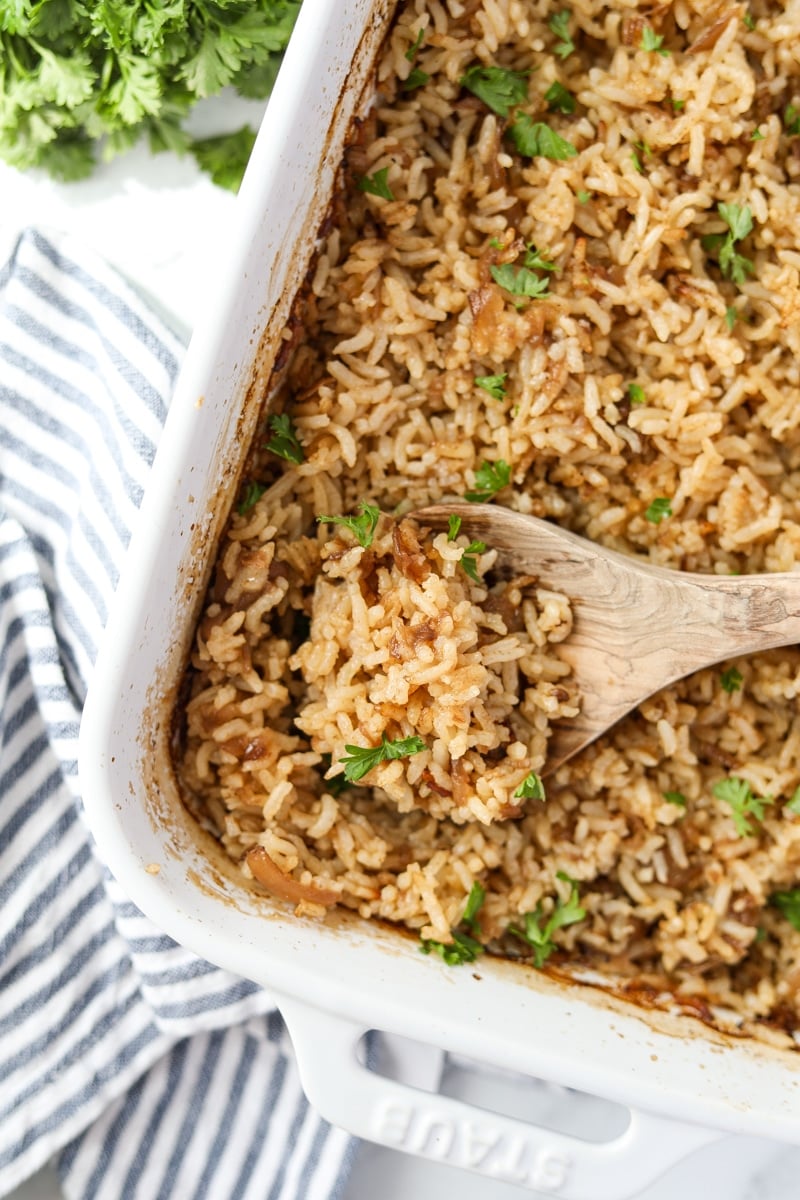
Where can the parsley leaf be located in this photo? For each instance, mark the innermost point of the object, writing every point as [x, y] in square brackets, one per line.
[226, 156]
[77, 74]
[756, 136]
[362, 527]
[731, 680]
[498, 88]
[453, 526]
[495, 385]
[731, 316]
[411, 52]
[653, 41]
[793, 805]
[469, 560]
[464, 948]
[252, 494]
[360, 760]
[739, 220]
[559, 99]
[739, 795]
[582, 196]
[658, 509]
[559, 25]
[377, 184]
[636, 393]
[791, 120]
[539, 937]
[417, 78]
[676, 798]
[490, 478]
[531, 788]
[536, 261]
[535, 139]
[520, 281]
[284, 443]
[789, 904]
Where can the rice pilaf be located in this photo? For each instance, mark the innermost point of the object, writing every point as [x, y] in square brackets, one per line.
[563, 269]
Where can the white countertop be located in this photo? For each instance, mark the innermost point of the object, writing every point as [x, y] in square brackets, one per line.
[160, 222]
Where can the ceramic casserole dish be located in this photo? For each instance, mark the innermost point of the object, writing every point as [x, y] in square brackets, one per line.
[684, 1084]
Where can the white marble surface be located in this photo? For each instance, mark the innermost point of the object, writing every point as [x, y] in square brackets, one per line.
[162, 223]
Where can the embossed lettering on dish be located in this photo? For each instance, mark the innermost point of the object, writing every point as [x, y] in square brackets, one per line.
[477, 1145]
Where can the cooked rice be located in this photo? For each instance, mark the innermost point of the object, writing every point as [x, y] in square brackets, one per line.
[401, 317]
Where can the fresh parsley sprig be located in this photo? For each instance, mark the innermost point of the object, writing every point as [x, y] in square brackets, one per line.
[535, 139]
[464, 947]
[789, 904]
[653, 42]
[531, 788]
[495, 385]
[284, 441]
[377, 184]
[362, 527]
[360, 760]
[252, 494]
[559, 25]
[658, 510]
[739, 219]
[731, 680]
[490, 478]
[469, 560]
[540, 937]
[520, 281]
[498, 88]
[453, 526]
[560, 99]
[738, 794]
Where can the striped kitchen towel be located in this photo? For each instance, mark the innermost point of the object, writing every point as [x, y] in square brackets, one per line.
[145, 1070]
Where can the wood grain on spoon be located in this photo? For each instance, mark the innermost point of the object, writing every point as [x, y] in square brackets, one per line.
[637, 627]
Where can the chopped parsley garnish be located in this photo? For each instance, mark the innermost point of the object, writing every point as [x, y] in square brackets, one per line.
[653, 41]
[582, 196]
[749, 21]
[731, 680]
[559, 98]
[540, 937]
[417, 78]
[739, 795]
[252, 494]
[490, 478]
[336, 784]
[636, 393]
[559, 25]
[453, 526]
[535, 139]
[789, 904]
[377, 184]
[495, 385]
[791, 120]
[411, 52]
[531, 788]
[739, 219]
[637, 162]
[362, 527]
[678, 105]
[284, 443]
[360, 760]
[498, 88]
[464, 948]
[520, 281]
[658, 509]
[731, 316]
[535, 260]
[469, 560]
[676, 798]
[756, 136]
[793, 805]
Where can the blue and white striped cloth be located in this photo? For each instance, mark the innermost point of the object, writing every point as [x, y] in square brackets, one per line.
[145, 1071]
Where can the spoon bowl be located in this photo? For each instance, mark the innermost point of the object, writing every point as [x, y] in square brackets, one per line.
[636, 627]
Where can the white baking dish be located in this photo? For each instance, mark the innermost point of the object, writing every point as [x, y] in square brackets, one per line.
[684, 1084]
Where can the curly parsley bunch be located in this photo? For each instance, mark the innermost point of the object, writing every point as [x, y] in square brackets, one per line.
[78, 74]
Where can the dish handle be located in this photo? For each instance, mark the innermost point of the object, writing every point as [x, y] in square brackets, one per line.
[348, 1094]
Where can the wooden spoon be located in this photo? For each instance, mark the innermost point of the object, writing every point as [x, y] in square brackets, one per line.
[637, 627]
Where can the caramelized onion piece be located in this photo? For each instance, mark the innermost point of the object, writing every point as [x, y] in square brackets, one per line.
[283, 885]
